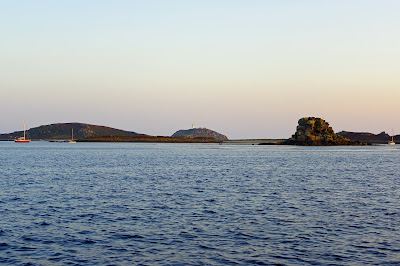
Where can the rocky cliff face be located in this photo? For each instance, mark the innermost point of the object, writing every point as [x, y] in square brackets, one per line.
[314, 131]
[199, 133]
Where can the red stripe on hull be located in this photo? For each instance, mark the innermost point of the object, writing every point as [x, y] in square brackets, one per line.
[22, 141]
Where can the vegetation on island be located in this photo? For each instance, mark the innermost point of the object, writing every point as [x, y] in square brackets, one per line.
[63, 131]
[199, 133]
[311, 131]
[93, 133]
[153, 139]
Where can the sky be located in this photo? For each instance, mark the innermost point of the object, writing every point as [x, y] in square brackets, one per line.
[247, 69]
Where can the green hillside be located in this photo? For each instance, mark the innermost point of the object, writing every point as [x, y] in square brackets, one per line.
[63, 131]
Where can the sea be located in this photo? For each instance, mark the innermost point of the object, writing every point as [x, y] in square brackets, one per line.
[198, 204]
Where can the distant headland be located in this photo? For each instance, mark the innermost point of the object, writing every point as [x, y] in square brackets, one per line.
[199, 133]
[310, 131]
[381, 138]
[94, 133]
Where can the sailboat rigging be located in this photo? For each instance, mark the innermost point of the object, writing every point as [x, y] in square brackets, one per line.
[72, 137]
[22, 139]
[392, 141]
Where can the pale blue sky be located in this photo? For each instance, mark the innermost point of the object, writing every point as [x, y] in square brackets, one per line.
[248, 69]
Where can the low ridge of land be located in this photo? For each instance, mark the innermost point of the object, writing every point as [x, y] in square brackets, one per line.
[152, 139]
[94, 133]
[62, 131]
[381, 138]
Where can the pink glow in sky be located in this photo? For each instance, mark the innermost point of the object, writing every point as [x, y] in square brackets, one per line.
[247, 69]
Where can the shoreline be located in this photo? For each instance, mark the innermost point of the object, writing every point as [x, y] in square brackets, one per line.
[163, 140]
[253, 141]
[199, 141]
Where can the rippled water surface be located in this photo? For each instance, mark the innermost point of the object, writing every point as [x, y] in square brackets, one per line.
[182, 204]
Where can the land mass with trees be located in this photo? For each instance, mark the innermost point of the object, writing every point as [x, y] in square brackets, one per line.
[93, 133]
[311, 131]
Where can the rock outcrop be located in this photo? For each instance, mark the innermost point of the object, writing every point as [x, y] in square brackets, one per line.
[314, 131]
[199, 133]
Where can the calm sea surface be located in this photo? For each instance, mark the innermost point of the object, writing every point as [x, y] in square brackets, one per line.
[198, 204]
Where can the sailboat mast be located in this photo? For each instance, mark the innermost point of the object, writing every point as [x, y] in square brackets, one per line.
[24, 129]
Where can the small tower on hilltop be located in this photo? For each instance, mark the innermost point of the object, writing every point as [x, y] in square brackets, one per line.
[193, 126]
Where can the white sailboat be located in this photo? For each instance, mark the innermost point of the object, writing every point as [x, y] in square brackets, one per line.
[72, 138]
[22, 139]
[392, 141]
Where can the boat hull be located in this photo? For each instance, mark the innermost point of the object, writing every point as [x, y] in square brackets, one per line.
[22, 141]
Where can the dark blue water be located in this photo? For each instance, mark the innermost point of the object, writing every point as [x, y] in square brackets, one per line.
[195, 204]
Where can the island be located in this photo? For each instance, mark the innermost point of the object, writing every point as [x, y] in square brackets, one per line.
[381, 138]
[82, 132]
[310, 131]
[314, 131]
[194, 133]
